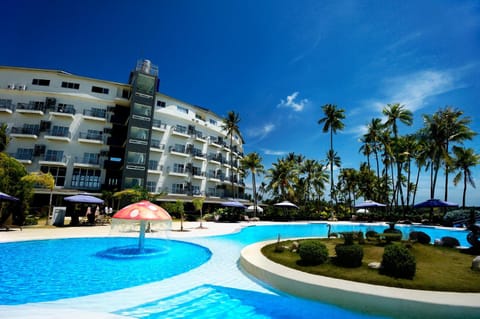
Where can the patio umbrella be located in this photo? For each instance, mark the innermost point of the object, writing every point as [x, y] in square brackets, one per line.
[430, 203]
[252, 209]
[233, 204]
[142, 212]
[83, 198]
[286, 204]
[368, 204]
[4, 196]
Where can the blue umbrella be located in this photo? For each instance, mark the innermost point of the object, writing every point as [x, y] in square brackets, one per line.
[233, 204]
[435, 203]
[4, 196]
[368, 204]
[82, 198]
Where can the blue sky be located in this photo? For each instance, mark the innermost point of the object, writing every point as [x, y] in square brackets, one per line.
[274, 62]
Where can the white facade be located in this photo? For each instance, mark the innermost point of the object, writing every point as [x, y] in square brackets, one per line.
[62, 123]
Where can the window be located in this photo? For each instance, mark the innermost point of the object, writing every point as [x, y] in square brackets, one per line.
[180, 129]
[182, 109]
[161, 104]
[151, 186]
[65, 108]
[90, 158]
[195, 190]
[142, 109]
[70, 85]
[213, 122]
[131, 182]
[178, 189]
[145, 84]
[60, 131]
[41, 82]
[86, 178]
[136, 158]
[24, 154]
[58, 173]
[139, 133]
[179, 168]
[54, 156]
[153, 165]
[98, 89]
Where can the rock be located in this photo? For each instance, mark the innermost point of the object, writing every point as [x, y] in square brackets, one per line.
[476, 264]
[450, 242]
[375, 265]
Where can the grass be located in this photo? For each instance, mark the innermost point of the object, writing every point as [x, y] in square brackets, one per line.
[438, 268]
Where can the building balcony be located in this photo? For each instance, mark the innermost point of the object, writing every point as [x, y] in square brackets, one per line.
[25, 132]
[198, 175]
[6, 106]
[156, 146]
[25, 157]
[61, 137]
[92, 138]
[157, 125]
[31, 108]
[180, 132]
[54, 160]
[155, 169]
[86, 163]
[178, 151]
[95, 115]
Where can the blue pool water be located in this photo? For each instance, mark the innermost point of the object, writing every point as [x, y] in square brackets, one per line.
[49, 270]
[46, 270]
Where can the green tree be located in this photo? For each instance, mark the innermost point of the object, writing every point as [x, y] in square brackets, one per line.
[4, 139]
[464, 160]
[231, 127]
[198, 205]
[395, 113]
[11, 174]
[282, 177]
[45, 180]
[332, 122]
[253, 162]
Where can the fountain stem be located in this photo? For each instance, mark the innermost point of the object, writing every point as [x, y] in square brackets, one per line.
[141, 238]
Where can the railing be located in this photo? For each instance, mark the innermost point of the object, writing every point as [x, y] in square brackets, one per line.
[96, 113]
[31, 107]
[60, 133]
[157, 144]
[159, 124]
[180, 130]
[65, 109]
[91, 136]
[89, 161]
[25, 130]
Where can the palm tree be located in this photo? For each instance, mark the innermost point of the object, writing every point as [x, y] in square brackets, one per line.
[198, 205]
[463, 161]
[230, 126]
[282, 177]
[373, 137]
[456, 130]
[332, 122]
[253, 162]
[394, 113]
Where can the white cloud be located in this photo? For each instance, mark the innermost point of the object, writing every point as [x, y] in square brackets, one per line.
[261, 132]
[274, 153]
[292, 103]
[414, 89]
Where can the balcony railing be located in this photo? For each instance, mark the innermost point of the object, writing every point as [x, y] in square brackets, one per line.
[101, 114]
[25, 130]
[159, 125]
[91, 136]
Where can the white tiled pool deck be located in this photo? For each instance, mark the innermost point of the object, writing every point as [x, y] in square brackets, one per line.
[223, 270]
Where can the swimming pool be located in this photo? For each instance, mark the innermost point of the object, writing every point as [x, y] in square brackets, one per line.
[210, 290]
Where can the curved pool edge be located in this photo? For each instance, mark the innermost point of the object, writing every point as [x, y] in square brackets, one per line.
[365, 298]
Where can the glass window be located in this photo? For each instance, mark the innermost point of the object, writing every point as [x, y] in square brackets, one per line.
[131, 182]
[86, 178]
[182, 109]
[58, 173]
[41, 82]
[151, 185]
[136, 158]
[145, 84]
[139, 133]
[142, 109]
[98, 89]
[70, 85]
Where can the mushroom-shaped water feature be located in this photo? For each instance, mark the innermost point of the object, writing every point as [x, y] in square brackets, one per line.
[143, 213]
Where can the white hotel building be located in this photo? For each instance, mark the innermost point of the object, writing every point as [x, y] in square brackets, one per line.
[94, 135]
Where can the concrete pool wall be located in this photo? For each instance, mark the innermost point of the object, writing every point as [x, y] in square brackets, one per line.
[365, 298]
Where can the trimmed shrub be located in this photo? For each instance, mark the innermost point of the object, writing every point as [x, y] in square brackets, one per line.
[420, 236]
[450, 242]
[347, 238]
[371, 234]
[313, 252]
[349, 255]
[398, 262]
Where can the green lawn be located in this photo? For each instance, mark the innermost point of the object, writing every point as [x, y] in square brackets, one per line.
[438, 268]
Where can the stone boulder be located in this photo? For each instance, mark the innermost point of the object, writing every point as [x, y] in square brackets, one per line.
[420, 237]
[476, 264]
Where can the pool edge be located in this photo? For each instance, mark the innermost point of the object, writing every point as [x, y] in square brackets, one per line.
[365, 298]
